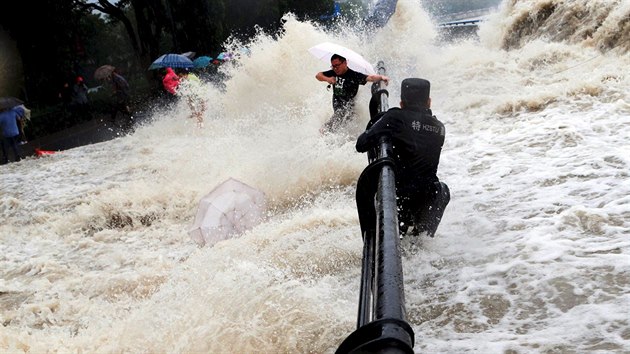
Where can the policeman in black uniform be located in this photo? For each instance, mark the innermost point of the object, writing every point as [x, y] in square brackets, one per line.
[417, 138]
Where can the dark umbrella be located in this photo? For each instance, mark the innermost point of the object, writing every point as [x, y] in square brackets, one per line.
[173, 61]
[103, 72]
[9, 102]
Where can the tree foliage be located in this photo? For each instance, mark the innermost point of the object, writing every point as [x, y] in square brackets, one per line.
[47, 54]
[77, 36]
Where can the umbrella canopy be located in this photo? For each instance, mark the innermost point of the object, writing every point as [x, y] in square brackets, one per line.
[103, 72]
[356, 62]
[173, 61]
[9, 102]
[224, 56]
[202, 61]
[230, 209]
[189, 55]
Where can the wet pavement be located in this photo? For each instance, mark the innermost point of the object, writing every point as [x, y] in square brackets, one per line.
[94, 131]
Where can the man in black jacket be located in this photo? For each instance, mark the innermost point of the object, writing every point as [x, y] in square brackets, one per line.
[345, 83]
[417, 138]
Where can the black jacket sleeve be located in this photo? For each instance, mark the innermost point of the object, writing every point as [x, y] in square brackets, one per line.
[386, 125]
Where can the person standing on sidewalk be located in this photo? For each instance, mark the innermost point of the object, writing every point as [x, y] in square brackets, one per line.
[170, 82]
[21, 122]
[10, 132]
[79, 102]
[190, 87]
[120, 97]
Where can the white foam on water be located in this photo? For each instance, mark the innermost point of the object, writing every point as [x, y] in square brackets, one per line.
[532, 254]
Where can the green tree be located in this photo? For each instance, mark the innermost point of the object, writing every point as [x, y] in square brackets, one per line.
[198, 25]
[309, 9]
[244, 16]
[48, 55]
[80, 35]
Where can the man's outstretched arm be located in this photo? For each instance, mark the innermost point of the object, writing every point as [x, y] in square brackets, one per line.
[321, 77]
[377, 78]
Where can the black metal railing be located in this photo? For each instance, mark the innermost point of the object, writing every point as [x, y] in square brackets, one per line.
[381, 322]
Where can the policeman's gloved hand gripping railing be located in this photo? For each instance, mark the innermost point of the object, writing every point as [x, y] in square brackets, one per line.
[381, 324]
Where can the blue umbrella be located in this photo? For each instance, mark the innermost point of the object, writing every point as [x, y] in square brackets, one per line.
[173, 61]
[202, 61]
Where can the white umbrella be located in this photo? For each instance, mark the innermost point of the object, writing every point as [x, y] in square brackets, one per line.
[189, 55]
[356, 62]
[230, 209]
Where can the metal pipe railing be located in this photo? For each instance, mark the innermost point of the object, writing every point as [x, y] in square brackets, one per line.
[381, 322]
